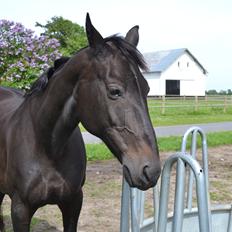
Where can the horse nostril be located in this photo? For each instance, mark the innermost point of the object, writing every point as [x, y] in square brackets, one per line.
[151, 174]
[145, 172]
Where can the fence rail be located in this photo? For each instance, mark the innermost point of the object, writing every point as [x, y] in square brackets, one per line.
[197, 102]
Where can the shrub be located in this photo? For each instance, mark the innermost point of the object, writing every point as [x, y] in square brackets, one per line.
[24, 55]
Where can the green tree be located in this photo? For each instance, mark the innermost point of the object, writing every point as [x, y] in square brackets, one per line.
[229, 92]
[212, 92]
[222, 92]
[71, 35]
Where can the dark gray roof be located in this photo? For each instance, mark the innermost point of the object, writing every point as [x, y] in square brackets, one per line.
[161, 60]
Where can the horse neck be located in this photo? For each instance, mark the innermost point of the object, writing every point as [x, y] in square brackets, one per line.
[56, 111]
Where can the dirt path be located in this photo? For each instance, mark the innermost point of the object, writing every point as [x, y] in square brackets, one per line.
[101, 208]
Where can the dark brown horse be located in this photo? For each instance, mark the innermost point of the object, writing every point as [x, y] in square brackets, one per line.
[42, 154]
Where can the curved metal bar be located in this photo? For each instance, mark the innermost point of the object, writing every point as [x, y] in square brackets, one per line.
[194, 131]
[135, 210]
[156, 207]
[125, 207]
[133, 199]
[179, 197]
[193, 151]
[197, 129]
[204, 221]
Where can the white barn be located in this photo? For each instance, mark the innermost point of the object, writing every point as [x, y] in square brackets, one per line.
[175, 72]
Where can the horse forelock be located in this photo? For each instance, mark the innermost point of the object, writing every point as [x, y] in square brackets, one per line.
[135, 59]
[128, 50]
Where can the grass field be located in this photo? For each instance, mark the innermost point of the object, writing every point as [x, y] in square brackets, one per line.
[179, 112]
[173, 143]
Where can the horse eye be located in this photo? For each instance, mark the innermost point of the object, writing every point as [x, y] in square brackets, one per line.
[115, 93]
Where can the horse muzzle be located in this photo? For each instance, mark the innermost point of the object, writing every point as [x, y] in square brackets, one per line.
[142, 177]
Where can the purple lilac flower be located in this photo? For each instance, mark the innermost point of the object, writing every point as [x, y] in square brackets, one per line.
[24, 53]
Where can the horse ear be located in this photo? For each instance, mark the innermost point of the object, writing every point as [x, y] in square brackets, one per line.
[132, 36]
[94, 37]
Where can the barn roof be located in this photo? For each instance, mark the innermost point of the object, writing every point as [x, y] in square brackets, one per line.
[161, 60]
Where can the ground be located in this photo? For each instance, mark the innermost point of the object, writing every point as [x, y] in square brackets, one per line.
[102, 191]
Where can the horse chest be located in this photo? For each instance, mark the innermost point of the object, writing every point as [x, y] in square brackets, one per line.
[48, 188]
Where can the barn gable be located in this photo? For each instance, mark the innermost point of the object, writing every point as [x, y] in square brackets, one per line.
[161, 60]
[175, 72]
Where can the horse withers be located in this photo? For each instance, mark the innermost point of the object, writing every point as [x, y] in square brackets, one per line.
[42, 154]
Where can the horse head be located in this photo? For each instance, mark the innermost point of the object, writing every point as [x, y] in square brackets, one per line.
[112, 102]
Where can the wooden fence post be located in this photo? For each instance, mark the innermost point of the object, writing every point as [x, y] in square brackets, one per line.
[225, 104]
[206, 99]
[196, 103]
[163, 105]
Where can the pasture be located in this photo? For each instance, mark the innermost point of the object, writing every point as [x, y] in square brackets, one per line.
[189, 110]
[180, 110]
[172, 143]
[101, 209]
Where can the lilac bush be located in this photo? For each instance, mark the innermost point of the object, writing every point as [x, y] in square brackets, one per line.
[24, 55]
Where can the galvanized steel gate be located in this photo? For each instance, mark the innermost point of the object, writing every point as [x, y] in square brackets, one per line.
[184, 218]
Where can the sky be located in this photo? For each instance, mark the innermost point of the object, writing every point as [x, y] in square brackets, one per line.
[202, 26]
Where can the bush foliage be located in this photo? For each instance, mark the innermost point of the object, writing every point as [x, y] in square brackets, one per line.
[24, 55]
[71, 35]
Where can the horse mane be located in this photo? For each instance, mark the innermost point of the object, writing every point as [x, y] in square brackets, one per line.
[41, 83]
[128, 50]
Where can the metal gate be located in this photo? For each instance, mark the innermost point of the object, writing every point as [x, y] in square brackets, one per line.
[184, 217]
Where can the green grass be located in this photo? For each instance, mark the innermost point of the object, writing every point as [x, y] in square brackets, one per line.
[172, 143]
[98, 152]
[180, 116]
[34, 222]
[188, 118]
[177, 116]
[186, 115]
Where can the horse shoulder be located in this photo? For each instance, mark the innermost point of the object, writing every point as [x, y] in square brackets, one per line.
[44, 181]
[10, 100]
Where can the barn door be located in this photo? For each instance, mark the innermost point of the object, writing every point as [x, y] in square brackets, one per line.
[173, 87]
